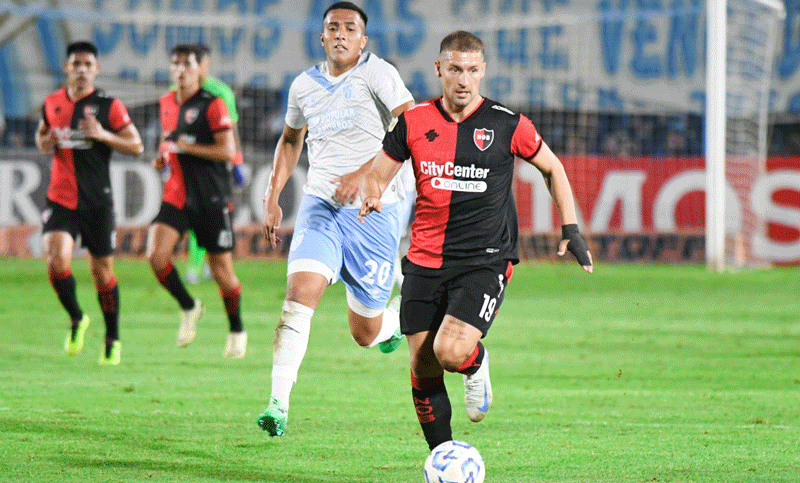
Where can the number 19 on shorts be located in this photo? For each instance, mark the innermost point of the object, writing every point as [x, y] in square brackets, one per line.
[487, 310]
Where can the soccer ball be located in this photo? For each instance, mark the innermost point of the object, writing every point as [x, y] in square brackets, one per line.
[454, 462]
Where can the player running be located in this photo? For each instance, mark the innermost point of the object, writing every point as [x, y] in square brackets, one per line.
[464, 235]
[81, 126]
[197, 142]
[196, 266]
[346, 104]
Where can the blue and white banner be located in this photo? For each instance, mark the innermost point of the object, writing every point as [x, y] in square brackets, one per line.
[606, 55]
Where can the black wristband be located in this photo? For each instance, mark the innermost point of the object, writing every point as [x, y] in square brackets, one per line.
[576, 244]
[568, 230]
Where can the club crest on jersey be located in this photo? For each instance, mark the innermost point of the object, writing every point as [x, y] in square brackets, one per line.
[483, 138]
[89, 110]
[191, 114]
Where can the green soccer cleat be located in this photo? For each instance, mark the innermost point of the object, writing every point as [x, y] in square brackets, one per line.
[111, 354]
[273, 419]
[392, 343]
[73, 345]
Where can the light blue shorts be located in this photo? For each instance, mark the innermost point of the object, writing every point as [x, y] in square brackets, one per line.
[330, 240]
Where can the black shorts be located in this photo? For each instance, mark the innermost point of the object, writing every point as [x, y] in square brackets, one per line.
[94, 225]
[212, 223]
[470, 294]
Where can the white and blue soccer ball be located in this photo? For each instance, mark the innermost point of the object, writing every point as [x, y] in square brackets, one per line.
[454, 462]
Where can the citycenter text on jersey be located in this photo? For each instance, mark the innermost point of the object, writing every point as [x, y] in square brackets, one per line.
[449, 168]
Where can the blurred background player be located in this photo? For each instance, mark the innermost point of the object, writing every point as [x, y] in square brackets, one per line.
[346, 104]
[196, 266]
[80, 126]
[197, 142]
[464, 237]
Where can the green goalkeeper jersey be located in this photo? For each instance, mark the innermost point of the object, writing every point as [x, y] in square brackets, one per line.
[223, 91]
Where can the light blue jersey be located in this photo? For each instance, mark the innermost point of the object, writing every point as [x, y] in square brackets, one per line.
[330, 240]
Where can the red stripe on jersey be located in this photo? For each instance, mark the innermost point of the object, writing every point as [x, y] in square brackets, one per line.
[217, 115]
[174, 188]
[526, 140]
[118, 116]
[433, 140]
[63, 188]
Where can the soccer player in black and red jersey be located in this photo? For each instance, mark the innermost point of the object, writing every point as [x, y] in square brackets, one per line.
[197, 143]
[464, 236]
[81, 126]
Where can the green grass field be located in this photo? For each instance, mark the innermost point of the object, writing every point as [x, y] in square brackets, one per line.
[633, 374]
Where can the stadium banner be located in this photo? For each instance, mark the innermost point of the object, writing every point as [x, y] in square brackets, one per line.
[633, 209]
[586, 55]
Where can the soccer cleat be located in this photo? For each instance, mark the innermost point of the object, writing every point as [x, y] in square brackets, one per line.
[273, 419]
[393, 342]
[73, 345]
[236, 346]
[478, 391]
[188, 327]
[111, 354]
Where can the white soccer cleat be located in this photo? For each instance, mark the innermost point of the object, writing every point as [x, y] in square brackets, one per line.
[236, 346]
[188, 327]
[478, 391]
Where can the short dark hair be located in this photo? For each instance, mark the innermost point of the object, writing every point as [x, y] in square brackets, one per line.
[205, 48]
[81, 46]
[188, 49]
[461, 41]
[346, 6]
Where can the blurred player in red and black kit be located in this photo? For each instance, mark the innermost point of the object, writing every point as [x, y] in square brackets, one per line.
[197, 143]
[80, 126]
[464, 236]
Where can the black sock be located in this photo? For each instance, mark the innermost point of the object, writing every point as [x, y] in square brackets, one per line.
[64, 285]
[109, 304]
[231, 300]
[171, 281]
[433, 409]
[473, 362]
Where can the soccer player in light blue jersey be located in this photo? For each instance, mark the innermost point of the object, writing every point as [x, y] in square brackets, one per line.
[345, 105]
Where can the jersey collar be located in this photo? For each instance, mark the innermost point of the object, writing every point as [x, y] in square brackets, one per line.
[446, 115]
[320, 77]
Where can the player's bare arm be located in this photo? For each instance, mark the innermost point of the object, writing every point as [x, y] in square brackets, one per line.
[287, 154]
[222, 150]
[126, 141]
[350, 183]
[164, 147]
[555, 176]
[402, 108]
[45, 138]
[380, 174]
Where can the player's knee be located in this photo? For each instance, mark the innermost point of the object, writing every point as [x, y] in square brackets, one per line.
[362, 338]
[449, 357]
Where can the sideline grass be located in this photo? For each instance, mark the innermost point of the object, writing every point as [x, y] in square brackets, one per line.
[633, 374]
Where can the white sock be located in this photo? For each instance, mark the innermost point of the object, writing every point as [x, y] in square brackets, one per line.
[398, 273]
[391, 321]
[289, 348]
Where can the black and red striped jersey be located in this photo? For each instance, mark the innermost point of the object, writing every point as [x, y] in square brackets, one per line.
[192, 178]
[79, 177]
[465, 213]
